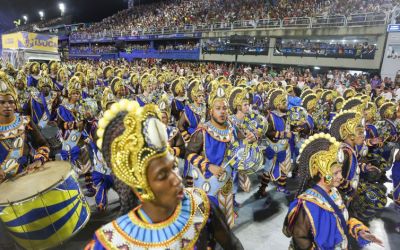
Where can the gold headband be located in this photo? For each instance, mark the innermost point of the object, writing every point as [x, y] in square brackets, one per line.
[144, 138]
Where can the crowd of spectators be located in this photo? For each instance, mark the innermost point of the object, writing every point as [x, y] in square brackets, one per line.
[178, 46]
[259, 46]
[94, 49]
[346, 49]
[181, 13]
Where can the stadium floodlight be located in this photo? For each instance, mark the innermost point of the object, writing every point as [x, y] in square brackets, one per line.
[317, 68]
[41, 14]
[25, 17]
[61, 6]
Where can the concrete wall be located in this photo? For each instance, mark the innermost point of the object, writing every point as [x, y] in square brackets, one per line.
[378, 32]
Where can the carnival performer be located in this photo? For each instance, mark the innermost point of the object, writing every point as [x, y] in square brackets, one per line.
[118, 88]
[108, 74]
[42, 106]
[24, 94]
[147, 82]
[252, 126]
[75, 140]
[16, 131]
[33, 78]
[318, 218]
[348, 128]
[179, 98]
[207, 151]
[278, 155]
[135, 144]
[194, 111]
[62, 81]
[19, 135]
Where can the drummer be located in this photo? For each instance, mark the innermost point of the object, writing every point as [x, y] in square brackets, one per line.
[17, 133]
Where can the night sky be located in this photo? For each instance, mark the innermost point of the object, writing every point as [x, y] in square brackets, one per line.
[81, 10]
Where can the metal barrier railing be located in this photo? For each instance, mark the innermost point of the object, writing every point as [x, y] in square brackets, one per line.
[366, 19]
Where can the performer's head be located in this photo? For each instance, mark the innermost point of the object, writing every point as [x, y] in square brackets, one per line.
[34, 68]
[239, 101]
[196, 92]
[218, 106]
[45, 85]
[278, 100]
[388, 110]
[165, 109]
[348, 126]
[320, 161]
[21, 81]
[118, 87]
[147, 83]
[8, 100]
[178, 88]
[310, 102]
[74, 90]
[134, 144]
[370, 112]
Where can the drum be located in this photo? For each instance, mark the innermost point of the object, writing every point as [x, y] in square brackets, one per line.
[246, 157]
[370, 199]
[43, 209]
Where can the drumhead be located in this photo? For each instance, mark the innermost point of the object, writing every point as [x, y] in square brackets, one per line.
[30, 185]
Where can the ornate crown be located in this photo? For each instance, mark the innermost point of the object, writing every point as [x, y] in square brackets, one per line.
[144, 138]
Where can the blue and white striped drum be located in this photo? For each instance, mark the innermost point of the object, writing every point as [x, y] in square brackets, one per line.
[43, 209]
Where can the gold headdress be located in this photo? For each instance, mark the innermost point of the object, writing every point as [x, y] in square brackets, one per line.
[349, 93]
[346, 124]
[108, 72]
[21, 77]
[354, 103]
[53, 65]
[371, 111]
[62, 74]
[327, 96]
[305, 93]
[379, 101]
[146, 80]
[45, 81]
[177, 87]
[7, 89]
[325, 153]
[236, 98]
[34, 68]
[195, 89]
[338, 103]
[217, 94]
[107, 98]
[164, 105]
[134, 79]
[387, 110]
[74, 85]
[277, 97]
[116, 84]
[144, 138]
[309, 102]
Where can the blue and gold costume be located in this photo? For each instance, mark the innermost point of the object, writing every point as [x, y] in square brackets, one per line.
[194, 218]
[318, 217]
